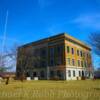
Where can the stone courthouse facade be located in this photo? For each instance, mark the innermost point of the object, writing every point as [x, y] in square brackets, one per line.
[60, 56]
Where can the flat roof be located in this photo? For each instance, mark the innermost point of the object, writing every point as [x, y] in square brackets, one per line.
[63, 35]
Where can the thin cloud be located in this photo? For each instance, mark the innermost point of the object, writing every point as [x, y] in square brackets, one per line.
[88, 21]
[44, 3]
[55, 28]
[9, 39]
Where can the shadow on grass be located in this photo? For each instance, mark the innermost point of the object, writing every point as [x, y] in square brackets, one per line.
[97, 89]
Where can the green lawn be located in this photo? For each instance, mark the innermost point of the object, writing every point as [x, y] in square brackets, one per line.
[51, 90]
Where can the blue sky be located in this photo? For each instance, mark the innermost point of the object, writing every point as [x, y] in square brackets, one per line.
[29, 20]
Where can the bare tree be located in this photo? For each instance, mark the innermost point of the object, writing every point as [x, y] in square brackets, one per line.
[8, 59]
[2, 63]
[29, 58]
[95, 42]
[12, 52]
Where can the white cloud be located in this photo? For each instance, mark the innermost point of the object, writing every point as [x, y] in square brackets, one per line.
[88, 21]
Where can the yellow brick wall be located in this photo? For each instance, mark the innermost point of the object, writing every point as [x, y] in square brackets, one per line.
[75, 56]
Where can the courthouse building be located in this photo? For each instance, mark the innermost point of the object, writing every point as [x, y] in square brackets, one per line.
[60, 56]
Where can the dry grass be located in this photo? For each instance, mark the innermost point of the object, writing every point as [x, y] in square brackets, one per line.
[51, 90]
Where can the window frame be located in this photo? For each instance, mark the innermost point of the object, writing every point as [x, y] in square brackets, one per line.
[78, 61]
[68, 61]
[74, 74]
[73, 62]
[79, 73]
[77, 52]
[72, 51]
[68, 49]
[69, 73]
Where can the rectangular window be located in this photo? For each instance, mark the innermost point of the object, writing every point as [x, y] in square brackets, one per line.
[73, 73]
[85, 63]
[51, 56]
[58, 54]
[51, 62]
[87, 55]
[81, 53]
[59, 73]
[82, 63]
[68, 60]
[69, 73]
[52, 74]
[72, 51]
[78, 62]
[68, 49]
[78, 52]
[59, 49]
[51, 52]
[43, 52]
[58, 60]
[43, 63]
[73, 62]
[79, 73]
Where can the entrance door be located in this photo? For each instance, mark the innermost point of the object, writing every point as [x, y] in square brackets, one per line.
[34, 74]
[82, 73]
